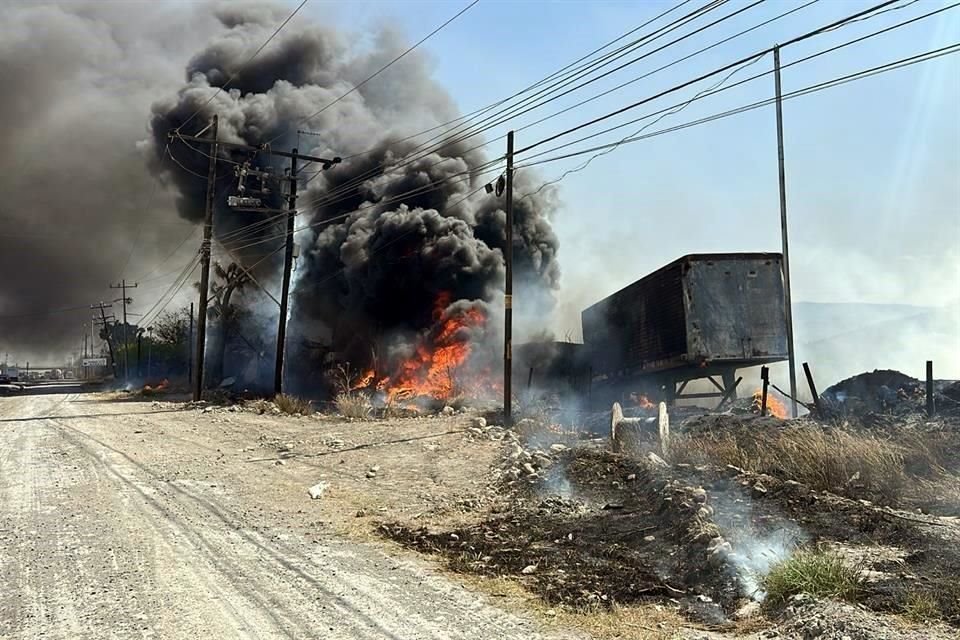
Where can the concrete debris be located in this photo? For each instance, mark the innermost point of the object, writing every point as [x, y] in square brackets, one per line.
[316, 491]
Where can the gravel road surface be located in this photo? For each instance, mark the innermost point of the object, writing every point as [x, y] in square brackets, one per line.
[110, 528]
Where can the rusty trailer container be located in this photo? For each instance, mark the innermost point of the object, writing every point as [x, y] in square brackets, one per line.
[699, 316]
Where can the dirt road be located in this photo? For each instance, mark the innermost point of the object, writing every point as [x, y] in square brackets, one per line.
[122, 520]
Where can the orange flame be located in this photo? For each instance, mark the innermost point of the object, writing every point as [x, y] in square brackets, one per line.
[642, 401]
[364, 381]
[775, 407]
[433, 368]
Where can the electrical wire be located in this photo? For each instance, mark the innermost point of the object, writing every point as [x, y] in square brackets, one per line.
[154, 312]
[718, 71]
[192, 233]
[375, 73]
[828, 84]
[759, 75]
[711, 89]
[636, 79]
[426, 148]
[243, 66]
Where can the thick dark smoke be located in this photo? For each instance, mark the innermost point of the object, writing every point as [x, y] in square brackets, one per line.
[75, 190]
[374, 261]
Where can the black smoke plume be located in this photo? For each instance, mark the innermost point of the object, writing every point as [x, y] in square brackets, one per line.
[374, 259]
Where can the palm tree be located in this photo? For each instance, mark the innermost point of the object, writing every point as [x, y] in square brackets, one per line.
[227, 281]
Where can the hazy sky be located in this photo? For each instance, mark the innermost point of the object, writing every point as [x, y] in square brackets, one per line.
[873, 167]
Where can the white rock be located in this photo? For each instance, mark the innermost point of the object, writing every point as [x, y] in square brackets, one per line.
[657, 461]
[479, 422]
[558, 447]
[317, 490]
[530, 568]
[529, 468]
[448, 410]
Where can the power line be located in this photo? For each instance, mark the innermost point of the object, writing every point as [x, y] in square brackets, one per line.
[711, 89]
[720, 70]
[378, 71]
[425, 149]
[192, 233]
[529, 87]
[714, 91]
[541, 120]
[828, 84]
[244, 65]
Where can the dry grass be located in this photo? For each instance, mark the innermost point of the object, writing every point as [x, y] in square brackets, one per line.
[353, 405]
[820, 573]
[921, 606]
[834, 460]
[293, 405]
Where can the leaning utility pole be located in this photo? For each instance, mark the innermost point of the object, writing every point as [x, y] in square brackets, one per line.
[783, 236]
[103, 320]
[508, 291]
[123, 286]
[205, 262]
[287, 268]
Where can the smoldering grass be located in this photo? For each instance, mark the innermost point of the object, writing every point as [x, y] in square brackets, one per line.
[820, 573]
[293, 405]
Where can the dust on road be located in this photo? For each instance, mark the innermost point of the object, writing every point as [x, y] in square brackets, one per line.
[112, 526]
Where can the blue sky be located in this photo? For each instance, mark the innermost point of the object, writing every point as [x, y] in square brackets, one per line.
[873, 167]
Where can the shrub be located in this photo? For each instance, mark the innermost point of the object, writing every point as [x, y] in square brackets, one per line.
[353, 405]
[293, 405]
[820, 573]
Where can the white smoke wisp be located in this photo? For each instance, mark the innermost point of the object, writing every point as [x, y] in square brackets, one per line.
[754, 550]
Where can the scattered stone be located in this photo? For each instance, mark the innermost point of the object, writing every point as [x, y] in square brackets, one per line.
[558, 447]
[530, 568]
[631, 477]
[657, 461]
[529, 468]
[479, 422]
[448, 410]
[759, 490]
[316, 491]
[649, 539]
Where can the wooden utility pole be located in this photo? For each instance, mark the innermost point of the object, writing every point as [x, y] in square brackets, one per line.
[294, 156]
[287, 268]
[783, 236]
[508, 292]
[190, 348]
[205, 263]
[123, 286]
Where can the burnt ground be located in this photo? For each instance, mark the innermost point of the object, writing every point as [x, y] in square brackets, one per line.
[584, 528]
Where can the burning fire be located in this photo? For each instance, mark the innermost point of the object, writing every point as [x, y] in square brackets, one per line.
[434, 367]
[775, 407]
[642, 401]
